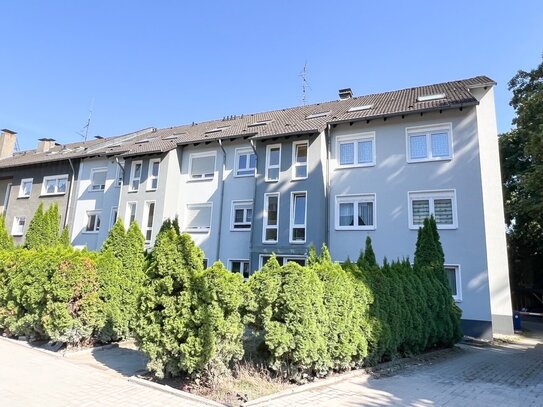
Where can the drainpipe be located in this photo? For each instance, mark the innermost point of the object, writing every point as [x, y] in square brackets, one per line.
[120, 189]
[328, 141]
[223, 169]
[70, 193]
[254, 205]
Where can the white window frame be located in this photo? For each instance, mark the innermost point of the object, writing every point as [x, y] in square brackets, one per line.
[21, 189]
[150, 176]
[265, 225]
[128, 213]
[268, 166]
[202, 155]
[112, 218]
[355, 139]
[205, 230]
[15, 227]
[355, 199]
[285, 258]
[56, 178]
[94, 171]
[230, 266]
[97, 214]
[427, 131]
[241, 204]
[292, 225]
[458, 276]
[295, 163]
[133, 175]
[238, 153]
[431, 196]
[145, 227]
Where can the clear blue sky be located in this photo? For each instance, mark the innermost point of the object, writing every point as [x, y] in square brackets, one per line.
[165, 63]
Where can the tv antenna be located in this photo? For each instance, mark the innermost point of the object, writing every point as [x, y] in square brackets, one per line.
[305, 84]
[85, 132]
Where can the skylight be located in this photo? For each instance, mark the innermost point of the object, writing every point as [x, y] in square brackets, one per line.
[217, 129]
[142, 141]
[316, 115]
[170, 137]
[359, 108]
[427, 98]
[260, 123]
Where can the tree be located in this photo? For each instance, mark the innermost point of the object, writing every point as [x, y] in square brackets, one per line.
[64, 239]
[44, 228]
[522, 174]
[6, 241]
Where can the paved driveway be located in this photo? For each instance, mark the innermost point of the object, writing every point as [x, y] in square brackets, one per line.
[506, 375]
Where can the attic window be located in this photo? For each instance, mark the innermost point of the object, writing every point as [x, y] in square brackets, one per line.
[217, 129]
[260, 123]
[359, 108]
[115, 145]
[316, 115]
[435, 96]
[142, 141]
[170, 137]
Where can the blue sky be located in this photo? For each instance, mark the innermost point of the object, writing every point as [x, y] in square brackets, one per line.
[163, 63]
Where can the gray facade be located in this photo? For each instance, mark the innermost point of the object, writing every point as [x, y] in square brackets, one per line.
[25, 206]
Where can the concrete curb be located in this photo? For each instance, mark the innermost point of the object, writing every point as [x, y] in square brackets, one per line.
[29, 346]
[70, 352]
[175, 392]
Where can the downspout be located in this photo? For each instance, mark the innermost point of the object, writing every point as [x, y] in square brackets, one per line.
[327, 186]
[254, 205]
[70, 193]
[223, 169]
[120, 189]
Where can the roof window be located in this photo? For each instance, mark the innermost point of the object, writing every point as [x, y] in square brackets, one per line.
[260, 123]
[316, 115]
[435, 96]
[359, 108]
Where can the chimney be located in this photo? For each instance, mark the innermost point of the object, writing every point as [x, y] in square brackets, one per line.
[346, 93]
[8, 139]
[45, 145]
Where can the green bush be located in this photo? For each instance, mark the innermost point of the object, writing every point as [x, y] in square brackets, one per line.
[189, 319]
[287, 309]
[50, 294]
[44, 229]
[6, 241]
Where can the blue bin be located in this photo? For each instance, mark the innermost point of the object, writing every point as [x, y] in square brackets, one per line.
[516, 321]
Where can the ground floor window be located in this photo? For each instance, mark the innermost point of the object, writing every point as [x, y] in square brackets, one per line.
[240, 266]
[283, 259]
[453, 276]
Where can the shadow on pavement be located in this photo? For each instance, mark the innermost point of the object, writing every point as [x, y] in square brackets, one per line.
[124, 360]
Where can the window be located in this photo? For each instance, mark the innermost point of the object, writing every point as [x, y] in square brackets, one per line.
[441, 204]
[356, 150]
[271, 218]
[299, 160]
[113, 216]
[204, 263]
[282, 259]
[135, 176]
[119, 175]
[429, 143]
[26, 188]
[242, 215]
[98, 179]
[152, 179]
[355, 212]
[55, 185]
[93, 221]
[148, 223]
[453, 276]
[298, 217]
[198, 217]
[245, 162]
[130, 213]
[202, 166]
[240, 266]
[273, 162]
[18, 226]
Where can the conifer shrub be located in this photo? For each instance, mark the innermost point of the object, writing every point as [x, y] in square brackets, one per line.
[50, 294]
[6, 241]
[189, 318]
[44, 228]
[287, 310]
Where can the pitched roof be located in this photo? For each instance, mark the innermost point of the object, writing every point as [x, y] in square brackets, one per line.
[296, 120]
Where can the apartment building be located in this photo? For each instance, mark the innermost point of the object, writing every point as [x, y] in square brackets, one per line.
[247, 186]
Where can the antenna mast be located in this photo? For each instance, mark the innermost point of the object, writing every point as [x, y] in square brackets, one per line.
[305, 84]
[85, 133]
